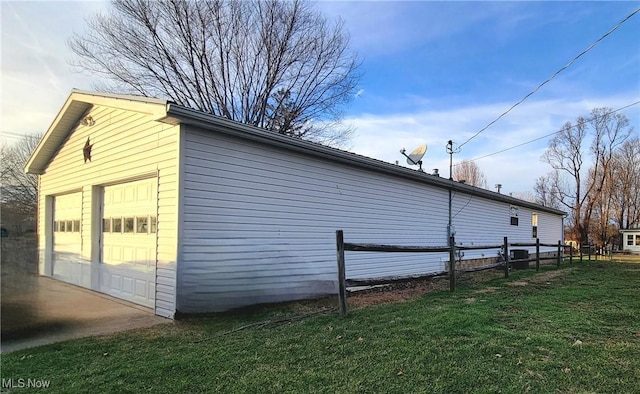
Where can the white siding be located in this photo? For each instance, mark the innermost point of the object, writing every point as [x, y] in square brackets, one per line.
[479, 221]
[126, 145]
[631, 240]
[259, 223]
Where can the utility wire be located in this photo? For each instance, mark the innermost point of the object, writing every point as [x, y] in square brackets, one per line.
[550, 134]
[596, 42]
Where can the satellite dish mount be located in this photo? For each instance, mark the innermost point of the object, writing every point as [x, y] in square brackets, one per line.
[415, 157]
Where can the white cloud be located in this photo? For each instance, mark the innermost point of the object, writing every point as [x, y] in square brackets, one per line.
[36, 78]
[382, 137]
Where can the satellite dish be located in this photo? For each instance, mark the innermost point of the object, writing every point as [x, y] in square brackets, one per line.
[416, 156]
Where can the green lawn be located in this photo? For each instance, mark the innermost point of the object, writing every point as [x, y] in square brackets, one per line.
[573, 331]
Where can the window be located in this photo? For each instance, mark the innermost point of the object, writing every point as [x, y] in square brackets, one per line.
[514, 215]
[128, 225]
[106, 225]
[62, 226]
[152, 226]
[69, 226]
[76, 226]
[142, 224]
[534, 225]
[56, 226]
[637, 239]
[630, 240]
[117, 225]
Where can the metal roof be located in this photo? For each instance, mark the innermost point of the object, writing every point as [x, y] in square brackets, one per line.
[79, 102]
[211, 122]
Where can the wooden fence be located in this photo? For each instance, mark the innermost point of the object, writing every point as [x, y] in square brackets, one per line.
[344, 282]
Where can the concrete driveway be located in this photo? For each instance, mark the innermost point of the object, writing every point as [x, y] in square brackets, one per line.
[38, 310]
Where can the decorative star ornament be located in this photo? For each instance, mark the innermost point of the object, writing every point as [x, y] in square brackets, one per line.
[86, 151]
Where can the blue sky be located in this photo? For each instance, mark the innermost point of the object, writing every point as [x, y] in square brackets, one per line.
[432, 71]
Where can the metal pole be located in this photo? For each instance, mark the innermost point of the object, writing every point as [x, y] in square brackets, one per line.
[449, 224]
[452, 263]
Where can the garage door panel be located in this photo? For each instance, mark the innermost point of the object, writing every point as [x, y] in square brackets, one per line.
[129, 241]
[67, 262]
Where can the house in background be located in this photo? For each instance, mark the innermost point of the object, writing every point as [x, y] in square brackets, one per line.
[182, 211]
[631, 240]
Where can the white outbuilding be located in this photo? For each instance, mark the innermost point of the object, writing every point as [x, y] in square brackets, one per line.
[181, 211]
[631, 240]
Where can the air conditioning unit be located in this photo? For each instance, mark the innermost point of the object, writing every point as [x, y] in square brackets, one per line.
[519, 254]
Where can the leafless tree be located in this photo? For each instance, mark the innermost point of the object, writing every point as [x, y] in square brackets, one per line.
[546, 190]
[279, 65]
[525, 196]
[582, 185]
[19, 190]
[469, 172]
[625, 185]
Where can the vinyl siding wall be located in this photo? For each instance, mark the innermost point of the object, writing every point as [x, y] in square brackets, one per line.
[480, 221]
[259, 222]
[126, 145]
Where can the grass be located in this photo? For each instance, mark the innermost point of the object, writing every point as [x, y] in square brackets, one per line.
[576, 332]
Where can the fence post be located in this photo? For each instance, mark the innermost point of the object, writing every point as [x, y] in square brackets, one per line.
[570, 253]
[452, 263]
[506, 257]
[589, 251]
[342, 289]
[581, 253]
[559, 246]
[537, 254]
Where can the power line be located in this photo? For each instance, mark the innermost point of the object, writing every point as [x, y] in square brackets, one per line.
[596, 42]
[555, 132]
[10, 133]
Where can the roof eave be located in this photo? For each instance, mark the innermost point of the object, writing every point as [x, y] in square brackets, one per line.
[76, 106]
[226, 126]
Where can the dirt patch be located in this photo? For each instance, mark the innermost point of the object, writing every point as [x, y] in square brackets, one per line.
[547, 276]
[397, 292]
[487, 290]
[403, 292]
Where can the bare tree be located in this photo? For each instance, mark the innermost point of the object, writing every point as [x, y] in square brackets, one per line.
[546, 190]
[19, 190]
[275, 64]
[470, 173]
[583, 186]
[625, 184]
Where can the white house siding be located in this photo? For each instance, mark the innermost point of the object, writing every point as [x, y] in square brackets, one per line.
[259, 223]
[126, 145]
[480, 221]
[631, 240]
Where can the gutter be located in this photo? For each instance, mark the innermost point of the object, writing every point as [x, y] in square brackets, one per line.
[225, 126]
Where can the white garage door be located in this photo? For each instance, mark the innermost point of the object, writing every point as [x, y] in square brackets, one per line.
[128, 263]
[67, 261]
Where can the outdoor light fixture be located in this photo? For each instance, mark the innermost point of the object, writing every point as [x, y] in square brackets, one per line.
[88, 121]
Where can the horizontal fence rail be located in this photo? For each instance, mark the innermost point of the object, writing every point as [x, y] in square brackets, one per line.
[344, 282]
